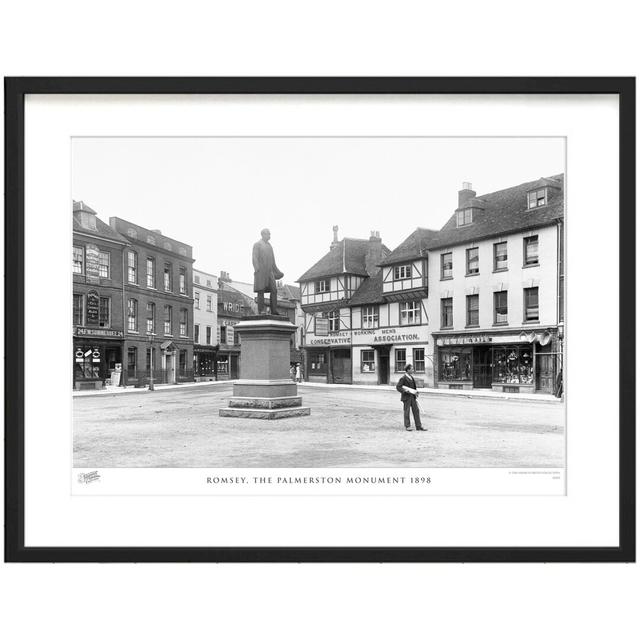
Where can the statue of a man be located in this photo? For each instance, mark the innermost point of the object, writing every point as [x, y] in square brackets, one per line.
[265, 272]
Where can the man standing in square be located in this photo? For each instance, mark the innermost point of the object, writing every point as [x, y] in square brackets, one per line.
[408, 388]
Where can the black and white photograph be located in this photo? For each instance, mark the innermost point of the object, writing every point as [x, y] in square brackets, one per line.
[318, 302]
[344, 316]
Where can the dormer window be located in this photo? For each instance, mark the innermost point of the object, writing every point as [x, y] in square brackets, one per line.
[537, 198]
[464, 217]
[402, 272]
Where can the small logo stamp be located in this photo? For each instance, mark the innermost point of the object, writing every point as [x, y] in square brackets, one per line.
[86, 478]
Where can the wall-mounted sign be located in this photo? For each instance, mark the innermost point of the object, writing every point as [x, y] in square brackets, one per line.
[96, 355]
[93, 307]
[322, 327]
[92, 263]
[230, 332]
[338, 338]
[392, 335]
[79, 355]
[102, 333]
[470, 339]
[479, 338]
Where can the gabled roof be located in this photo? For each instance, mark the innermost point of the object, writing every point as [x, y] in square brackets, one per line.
[415, 246]
[505, 212]
[369, 292]
[348, 256]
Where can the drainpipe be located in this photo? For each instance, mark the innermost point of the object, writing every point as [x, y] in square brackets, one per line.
[124, 319]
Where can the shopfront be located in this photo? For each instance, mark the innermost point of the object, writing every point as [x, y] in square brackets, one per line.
[228, 364]
[97, 354]
[204, 362]
[522, 362]
[329, 358]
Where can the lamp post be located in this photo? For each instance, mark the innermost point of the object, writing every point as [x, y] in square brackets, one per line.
[151, 336]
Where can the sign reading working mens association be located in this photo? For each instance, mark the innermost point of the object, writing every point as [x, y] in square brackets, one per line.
[391, 335]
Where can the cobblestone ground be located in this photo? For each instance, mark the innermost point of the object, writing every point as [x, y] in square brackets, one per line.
[348, 427]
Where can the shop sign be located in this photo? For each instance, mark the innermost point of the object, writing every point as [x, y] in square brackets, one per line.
[96, 355]
[339, 338]
[93, 307]
[92, 263]
[230, 332]
[322, 327]
[99, 333]
[391, 335]
[79, 355]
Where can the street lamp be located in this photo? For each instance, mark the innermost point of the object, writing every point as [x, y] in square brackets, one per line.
[151, 336]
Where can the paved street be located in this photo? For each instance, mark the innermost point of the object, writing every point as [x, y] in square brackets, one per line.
[348, 427]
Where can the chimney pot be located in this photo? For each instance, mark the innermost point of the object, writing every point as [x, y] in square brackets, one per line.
[465, 194]
[335, 236]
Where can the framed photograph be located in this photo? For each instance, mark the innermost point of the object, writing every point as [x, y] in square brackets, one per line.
[320, 319]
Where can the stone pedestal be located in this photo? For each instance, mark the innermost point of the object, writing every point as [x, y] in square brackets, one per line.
[265, 390]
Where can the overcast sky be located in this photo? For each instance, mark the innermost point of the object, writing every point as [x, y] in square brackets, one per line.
[216, 194]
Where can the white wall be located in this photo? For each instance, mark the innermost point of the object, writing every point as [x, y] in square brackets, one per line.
[514, 280]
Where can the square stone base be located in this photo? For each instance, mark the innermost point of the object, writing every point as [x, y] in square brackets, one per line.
[265, 403]
[264, 414]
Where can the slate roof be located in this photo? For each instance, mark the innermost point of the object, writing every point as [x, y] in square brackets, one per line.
[102, 230]
[505, 212]
[228, 293]
[369, 292]
[415, 246]
[346, 257]
[289, 292]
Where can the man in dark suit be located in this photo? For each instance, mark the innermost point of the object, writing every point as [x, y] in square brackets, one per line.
[407, 387]
[265, 272]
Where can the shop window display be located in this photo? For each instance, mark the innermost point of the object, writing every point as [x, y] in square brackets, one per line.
[455, 364]
[513, 365]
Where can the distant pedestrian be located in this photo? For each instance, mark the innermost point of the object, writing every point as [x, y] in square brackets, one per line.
[298, 372]
[407, 387]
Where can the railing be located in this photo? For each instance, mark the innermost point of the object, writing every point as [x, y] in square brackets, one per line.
[141, 378]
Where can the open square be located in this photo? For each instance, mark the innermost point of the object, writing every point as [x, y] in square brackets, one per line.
[348, 427]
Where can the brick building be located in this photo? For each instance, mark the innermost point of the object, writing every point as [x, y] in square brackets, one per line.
[98, 321]
[158, 306]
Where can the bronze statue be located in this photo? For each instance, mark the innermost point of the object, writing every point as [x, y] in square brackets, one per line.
[265, 272]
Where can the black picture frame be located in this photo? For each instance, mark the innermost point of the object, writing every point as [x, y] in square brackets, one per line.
[15, 91]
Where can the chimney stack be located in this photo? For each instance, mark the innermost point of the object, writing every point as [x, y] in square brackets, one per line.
[465, 194]
[374, 253]
[335, 237]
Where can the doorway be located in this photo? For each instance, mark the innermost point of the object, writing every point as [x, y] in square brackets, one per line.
[383, 366]
[482, 368]
[170, 367]
[234, 367]
[341, 366]
[545, 372]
